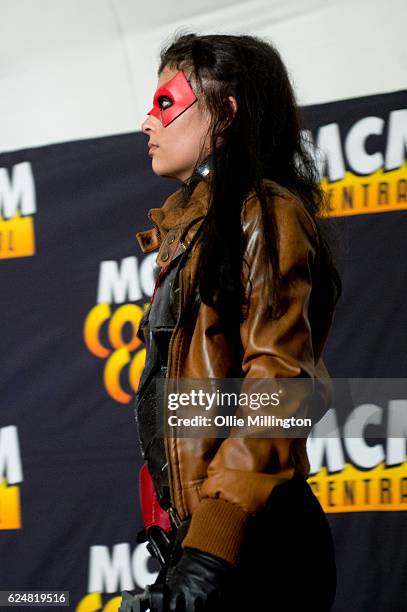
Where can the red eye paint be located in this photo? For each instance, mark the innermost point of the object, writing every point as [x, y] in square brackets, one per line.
[177, 94]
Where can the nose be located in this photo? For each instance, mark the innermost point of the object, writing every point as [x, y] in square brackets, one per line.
[148, 125]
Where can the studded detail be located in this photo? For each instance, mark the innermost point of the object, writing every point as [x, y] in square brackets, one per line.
[165, 256]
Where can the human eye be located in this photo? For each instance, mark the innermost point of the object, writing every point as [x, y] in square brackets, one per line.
[164, 102]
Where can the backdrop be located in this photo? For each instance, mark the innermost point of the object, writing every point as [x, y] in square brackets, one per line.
[74, 285]
[77, 69]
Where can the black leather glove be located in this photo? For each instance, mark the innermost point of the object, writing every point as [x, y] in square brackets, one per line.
[194, 584]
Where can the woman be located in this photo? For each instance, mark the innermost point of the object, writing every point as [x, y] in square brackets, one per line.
[245, 288]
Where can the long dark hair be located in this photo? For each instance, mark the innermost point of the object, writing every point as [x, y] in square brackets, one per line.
[264, 139]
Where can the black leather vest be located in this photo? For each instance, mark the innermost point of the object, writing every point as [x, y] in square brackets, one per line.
[156, 328]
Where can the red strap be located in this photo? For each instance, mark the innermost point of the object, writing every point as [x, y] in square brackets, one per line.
[152, 512]
[158, 282]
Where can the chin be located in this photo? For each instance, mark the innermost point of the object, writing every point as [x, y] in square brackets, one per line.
[161, 170]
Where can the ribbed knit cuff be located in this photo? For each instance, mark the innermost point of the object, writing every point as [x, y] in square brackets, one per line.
[217, 527]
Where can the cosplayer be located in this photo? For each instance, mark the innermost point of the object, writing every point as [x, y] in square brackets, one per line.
[245, 287]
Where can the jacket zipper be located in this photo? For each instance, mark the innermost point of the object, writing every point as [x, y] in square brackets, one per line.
[172, 511]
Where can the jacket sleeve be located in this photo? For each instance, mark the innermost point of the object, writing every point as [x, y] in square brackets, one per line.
[244, 471]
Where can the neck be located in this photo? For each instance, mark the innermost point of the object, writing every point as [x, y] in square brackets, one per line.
[201, 172]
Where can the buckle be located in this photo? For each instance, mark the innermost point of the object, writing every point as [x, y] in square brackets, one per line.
[175, 517]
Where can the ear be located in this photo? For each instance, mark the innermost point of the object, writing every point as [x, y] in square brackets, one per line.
[233, 103]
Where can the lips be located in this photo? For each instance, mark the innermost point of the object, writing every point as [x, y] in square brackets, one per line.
[152, 148]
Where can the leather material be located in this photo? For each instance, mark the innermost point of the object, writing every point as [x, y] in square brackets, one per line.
[156, 328]
[240, 471]
[196, 582]
[153, 514]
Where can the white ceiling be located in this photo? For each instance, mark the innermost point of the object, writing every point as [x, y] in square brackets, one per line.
[73, 69]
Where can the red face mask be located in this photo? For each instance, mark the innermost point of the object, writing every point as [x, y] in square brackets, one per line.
[172, 99]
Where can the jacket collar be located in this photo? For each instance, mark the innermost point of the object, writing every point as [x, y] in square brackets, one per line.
[174, 223]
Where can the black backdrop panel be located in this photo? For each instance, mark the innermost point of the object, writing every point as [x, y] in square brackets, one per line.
[74, 286]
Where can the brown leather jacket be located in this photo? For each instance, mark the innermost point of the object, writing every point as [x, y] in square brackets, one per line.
[220, 485]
